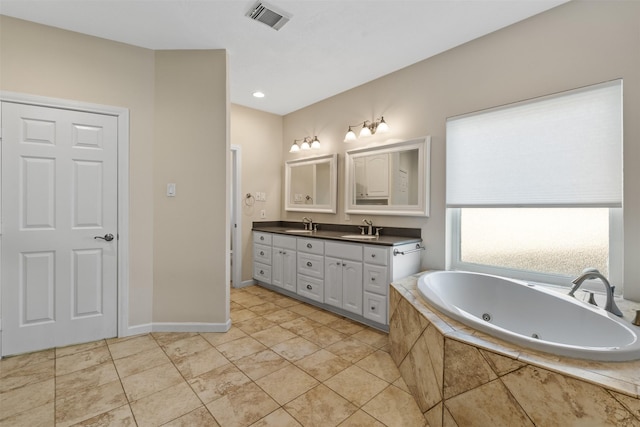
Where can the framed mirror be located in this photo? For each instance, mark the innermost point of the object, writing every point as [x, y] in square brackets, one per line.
[311, 184]
[391, 179]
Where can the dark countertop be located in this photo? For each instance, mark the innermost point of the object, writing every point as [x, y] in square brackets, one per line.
[389, 236]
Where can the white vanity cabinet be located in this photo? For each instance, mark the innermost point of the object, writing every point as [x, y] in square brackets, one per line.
[351, 279]
[343, 276]
[283, 264]
[310, 268]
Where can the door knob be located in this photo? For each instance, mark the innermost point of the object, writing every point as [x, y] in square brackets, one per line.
[107, 237]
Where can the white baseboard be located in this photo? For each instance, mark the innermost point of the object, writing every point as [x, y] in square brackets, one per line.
[191, 327]
[246, 283]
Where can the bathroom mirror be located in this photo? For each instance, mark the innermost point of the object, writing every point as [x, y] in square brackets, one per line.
[311, 184]
[391, 179]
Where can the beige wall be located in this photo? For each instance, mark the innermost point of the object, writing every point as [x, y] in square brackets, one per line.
[576, 44]
[259, 136]
[41, 60]
[191, 149]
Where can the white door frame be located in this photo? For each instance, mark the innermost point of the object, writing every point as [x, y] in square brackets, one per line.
[123, 187]
[236, 200]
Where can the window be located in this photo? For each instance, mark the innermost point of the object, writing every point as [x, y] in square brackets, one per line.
[534, 189]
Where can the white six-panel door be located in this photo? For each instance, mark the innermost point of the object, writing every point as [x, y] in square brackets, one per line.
[59, 208]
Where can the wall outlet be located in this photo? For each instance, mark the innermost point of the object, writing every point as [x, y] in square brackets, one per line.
[263, 213]
[297, 198]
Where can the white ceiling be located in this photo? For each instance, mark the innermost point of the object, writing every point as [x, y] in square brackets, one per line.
[327, 47]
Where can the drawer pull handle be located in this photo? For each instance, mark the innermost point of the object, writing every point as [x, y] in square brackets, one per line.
[309, 287]
[309, 264]
[373, 279]
[373, 255]
[261, 252]
[261, 237]
[261, 271]
[309, 245]
[373, 309]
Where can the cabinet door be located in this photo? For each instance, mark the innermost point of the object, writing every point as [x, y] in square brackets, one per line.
[375, 279]
[276, 267]
[375, 308]
[289, 270]
[333, 281]
[352, 286]
[377, 168]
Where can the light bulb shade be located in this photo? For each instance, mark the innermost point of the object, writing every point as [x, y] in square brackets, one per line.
[305, 145]
[350, 136]
[382, 126]
[315, 144]
[365, 131]
[294, 148]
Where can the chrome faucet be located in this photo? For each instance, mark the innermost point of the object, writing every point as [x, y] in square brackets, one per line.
[308, 223]
[369, 224]
[592, 273]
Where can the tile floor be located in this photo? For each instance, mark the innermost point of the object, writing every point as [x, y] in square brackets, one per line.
[283, 363]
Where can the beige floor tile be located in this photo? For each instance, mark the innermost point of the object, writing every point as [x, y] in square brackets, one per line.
[282, 316]
[380, 364]
[324, 317]
[260, 364]
[79, 361]
[274, 335]
[372, 337]
[285, 302]
[185, 347]
[41, 416]
[301, 324]
[243, 314]
[278, 418]
[394, 407]
[164, 406]
[362, 419]
[151, 381]
[79, 348]
[196, 418]
[218, 338]
[287, 384]
[9, 364]
[265, 308]
[254, 325]
[322, 364]
[248, 300]
[139, 362]
[351, 349]
[295, 349]
[243, 407]
[305, 309]
[220, 381]
[320, 407]
[356, 385]
[76, 382]
[93, 401]
[346, 326]
[23, 399]
[121, 417]
[138, 344]
[27, 374]
[323, 336]
[242, 347]
[164, 338]
[198, 363]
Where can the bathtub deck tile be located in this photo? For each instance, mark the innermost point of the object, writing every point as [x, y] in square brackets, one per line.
[464, 368]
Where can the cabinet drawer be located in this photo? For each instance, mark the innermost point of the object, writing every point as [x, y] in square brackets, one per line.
[376, 279]
[285, 242]
[312, 246]
[263, 238]
[344, 251]
[311, 265]
[262, 254]
[376, 255]
[262, 272]
[375, 308]
[311, 288]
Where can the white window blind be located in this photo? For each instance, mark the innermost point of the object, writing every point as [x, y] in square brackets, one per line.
[560, 150]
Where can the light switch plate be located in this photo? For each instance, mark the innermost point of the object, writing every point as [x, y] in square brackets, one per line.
[171, 190]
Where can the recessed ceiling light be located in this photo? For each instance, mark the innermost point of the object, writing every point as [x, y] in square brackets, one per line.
[258, 94]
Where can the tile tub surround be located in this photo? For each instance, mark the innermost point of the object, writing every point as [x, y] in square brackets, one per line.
[462, 377]
[282, 364]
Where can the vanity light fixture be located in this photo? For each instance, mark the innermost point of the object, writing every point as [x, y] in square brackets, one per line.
[368, 128]
[308, 143]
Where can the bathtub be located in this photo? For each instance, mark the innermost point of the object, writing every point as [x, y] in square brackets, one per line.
[531, 316]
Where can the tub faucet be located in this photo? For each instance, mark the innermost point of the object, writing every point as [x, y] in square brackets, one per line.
[592, 273]
[369, 224]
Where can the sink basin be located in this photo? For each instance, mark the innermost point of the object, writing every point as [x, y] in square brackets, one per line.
[360, 236]
[299, 231]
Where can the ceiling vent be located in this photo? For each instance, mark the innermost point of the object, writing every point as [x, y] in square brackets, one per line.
[268, 15]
